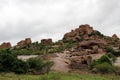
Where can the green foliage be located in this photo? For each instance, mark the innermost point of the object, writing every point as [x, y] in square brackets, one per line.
[103, 59]
[97, 33]
[6, 60]
[61, 48]
[111, 57]
[59, 76]
[109, 49]
[24, 52]
[39, 65]
[68, 41]
[105, 68]
[105, 64]
[10, 63]
[35, 64]
[117, 70]
[20, 66]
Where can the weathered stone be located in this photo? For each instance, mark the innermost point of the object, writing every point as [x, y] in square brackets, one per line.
[28, 41]
[75, 35]
[5, 45]
[115, 37]
[80, 61]
[46, 41]
[24, 42]
[88, 44]
[21, 43]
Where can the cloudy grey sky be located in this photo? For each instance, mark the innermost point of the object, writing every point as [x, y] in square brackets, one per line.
[39, 19]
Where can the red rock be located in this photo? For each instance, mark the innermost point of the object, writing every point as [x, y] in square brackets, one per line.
[21, 43]
[24, 42]
[75, 35]
[46, 41]
[90, 43]
[28, 41]
[5, 45]
[115, 36]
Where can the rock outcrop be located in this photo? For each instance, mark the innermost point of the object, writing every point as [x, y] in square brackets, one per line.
[82, 32]
[80, 62]
[115, 37]
[24, 42]
[5, 45]
[90, 43]
[46, 41]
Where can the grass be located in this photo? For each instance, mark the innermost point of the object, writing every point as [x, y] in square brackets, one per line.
[58, 76]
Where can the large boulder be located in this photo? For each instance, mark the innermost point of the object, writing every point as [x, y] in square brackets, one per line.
[46, 41]
[28, 41]
[115, 37]
[5, 45]
[76, 35]
[81, 62]
[88, 44]
[24, 42]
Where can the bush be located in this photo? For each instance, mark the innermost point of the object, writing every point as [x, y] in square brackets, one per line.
[20, 66]
[105, 64]
[111, 57]
[6, 60]
[105, 68]
[117, 70]
[10, 63]
[39, 66]
[35, 64]
[103, 59]
[109, 49]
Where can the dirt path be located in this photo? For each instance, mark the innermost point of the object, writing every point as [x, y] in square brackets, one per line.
[61, 64]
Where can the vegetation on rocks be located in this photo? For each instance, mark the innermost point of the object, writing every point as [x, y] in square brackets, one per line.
[105, 64]
[10, 63]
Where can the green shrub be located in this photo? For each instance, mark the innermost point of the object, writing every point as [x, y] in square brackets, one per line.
[103, 59]
[35, 64]
[109, 49]
[111, 57]
[105, 64]
[10, 63]
[6, 60]
[105, 68]
[38, 65]
[117, 70]
[47, 66]
[20, 66]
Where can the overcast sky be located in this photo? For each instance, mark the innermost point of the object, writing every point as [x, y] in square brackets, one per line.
[39, 19]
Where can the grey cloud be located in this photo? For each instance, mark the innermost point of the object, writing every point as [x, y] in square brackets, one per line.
[53, 18]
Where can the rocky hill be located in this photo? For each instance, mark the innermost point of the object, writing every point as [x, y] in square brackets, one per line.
[90, 45]
[83, 39]
[80, 44]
